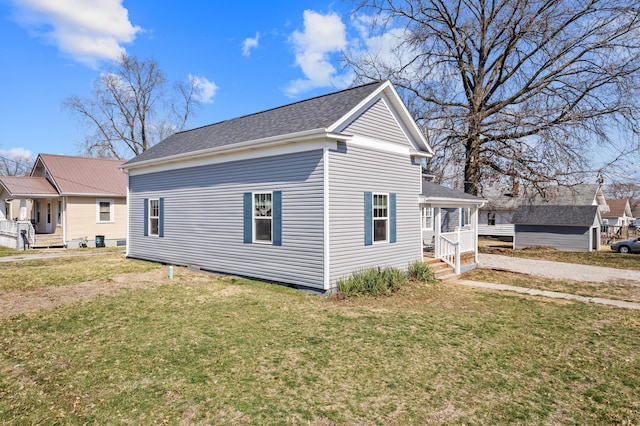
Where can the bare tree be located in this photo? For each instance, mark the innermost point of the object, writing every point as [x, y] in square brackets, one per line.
[12, 164]
[511, 90]
[130, 110]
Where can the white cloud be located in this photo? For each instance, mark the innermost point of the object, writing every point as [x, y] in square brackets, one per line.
[386, 50]
[250, 44]
[87, 30]
[16, 154]
[322, 36]
[206, 89]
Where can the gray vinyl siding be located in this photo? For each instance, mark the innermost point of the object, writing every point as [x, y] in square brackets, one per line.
[378, 122]
[502, 217]
[502, 228]
[573, 238]
[203, 218]
[352, 172]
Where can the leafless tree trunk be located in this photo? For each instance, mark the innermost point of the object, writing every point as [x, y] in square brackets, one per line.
[516, 90]
[130, 111]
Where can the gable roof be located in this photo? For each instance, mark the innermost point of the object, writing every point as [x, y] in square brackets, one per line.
[82, 175]
[618, 208]
[574, 195]
[555, 215]
[433, 192]
[20, 186]
[322, 114]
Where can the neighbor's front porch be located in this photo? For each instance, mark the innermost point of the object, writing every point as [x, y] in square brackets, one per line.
[39, 218]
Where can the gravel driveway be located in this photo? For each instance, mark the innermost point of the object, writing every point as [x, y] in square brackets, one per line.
[559, 270]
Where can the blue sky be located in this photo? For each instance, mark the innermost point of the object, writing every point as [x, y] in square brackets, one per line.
[248, 55]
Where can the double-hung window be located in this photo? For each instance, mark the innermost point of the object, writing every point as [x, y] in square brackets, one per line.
[380, 217]
[427, 217]
[465, 217]
[154, 217]
[104, 210]
[262, 217]
[491, 218]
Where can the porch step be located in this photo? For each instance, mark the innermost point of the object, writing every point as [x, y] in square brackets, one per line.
[48, 241]
[441, 270]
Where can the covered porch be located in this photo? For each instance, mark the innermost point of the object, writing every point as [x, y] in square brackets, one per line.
[30, 213]
[450, 226]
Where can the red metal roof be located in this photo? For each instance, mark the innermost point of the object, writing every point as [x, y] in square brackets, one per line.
[83, 175]
[617, 207]
[27, 186]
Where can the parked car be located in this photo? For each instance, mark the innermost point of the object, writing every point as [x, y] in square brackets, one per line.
[627, 246]
[635, 224]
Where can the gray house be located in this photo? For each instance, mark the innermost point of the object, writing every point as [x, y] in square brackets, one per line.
[302, 194]
[574, 228]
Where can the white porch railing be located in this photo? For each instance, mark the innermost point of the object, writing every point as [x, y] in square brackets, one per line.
[12, 229]
[449, 252]
[464, 237]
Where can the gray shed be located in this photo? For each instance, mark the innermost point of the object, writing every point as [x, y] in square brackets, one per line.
[572, 228]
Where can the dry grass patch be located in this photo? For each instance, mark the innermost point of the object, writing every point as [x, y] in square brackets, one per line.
[620, 290]
[62, 271]
[605, 258]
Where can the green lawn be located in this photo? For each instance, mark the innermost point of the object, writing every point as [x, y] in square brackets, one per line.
[6, 251]
[38, 273]
[201, 350]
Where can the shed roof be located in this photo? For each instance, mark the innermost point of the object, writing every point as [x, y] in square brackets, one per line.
[83, 175]
[20, 186]
[555, 215]
[319, 113]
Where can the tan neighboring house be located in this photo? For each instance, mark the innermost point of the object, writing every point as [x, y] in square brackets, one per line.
[66, 202]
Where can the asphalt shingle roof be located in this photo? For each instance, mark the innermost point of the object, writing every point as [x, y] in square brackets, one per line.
[315, 113]
[555, 215]
[431, 189]
[575, 195]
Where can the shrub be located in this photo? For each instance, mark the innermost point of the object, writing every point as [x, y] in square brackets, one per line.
[373, 282]
[420, 271]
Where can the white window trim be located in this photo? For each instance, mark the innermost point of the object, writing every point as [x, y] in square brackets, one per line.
[489, 219]
[373, 218]
[104, 200]
[149, 217]
[467, 218]
[253, 217]
[423, 217]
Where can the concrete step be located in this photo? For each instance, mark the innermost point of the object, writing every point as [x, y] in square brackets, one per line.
[48, 240]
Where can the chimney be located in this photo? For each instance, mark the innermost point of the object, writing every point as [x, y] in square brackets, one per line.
[515, 191]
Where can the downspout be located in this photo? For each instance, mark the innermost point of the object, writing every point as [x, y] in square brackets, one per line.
[325, 230]
[64, 221]
[127, 202]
